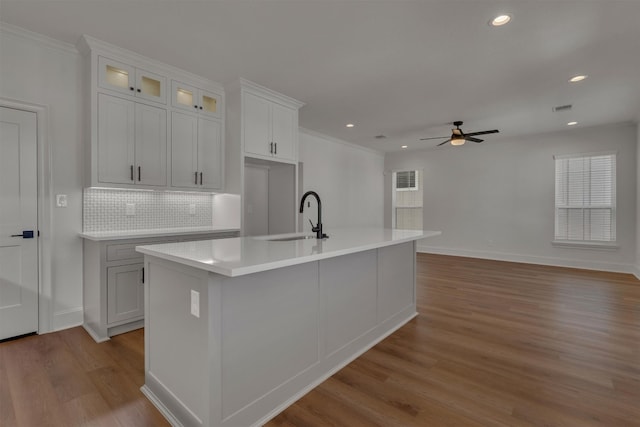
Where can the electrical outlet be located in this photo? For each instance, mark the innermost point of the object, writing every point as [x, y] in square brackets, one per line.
[192, 209]
[195, 303]
[61, 200]
[130, 209]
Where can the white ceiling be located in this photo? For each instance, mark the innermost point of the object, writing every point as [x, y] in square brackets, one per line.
[404, 69]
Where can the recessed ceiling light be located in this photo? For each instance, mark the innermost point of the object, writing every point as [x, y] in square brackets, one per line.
[572, 123]
[578, 78]
[404, 146]
[349, 125]
[500, 20]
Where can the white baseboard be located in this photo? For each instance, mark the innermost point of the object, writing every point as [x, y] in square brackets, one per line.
[532, 259]
[67, 319]
[166, 413]
[637, 272]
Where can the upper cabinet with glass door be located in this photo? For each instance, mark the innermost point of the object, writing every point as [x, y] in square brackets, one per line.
[127, 79]
[196, 100]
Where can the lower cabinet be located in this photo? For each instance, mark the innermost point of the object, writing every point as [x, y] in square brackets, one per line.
[113, 283]
[125, 293]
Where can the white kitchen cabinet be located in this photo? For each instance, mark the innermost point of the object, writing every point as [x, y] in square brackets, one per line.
[129, 80]
[130, 122]
[284, 131]
[132, 142]
[196, 152]
[194, 99]
[262, 132]
[113, 282]
[270, 129]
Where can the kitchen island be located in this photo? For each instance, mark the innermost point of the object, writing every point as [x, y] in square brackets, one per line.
[238, 329]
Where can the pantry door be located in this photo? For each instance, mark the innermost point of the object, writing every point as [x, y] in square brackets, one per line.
[18, 223]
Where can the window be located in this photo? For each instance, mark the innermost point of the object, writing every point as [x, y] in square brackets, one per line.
[407, 181]
[407, 201]
[585, 198]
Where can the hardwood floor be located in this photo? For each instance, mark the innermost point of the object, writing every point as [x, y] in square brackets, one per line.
[495, 344]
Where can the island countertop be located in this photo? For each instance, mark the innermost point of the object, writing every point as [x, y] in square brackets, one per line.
[245, 255]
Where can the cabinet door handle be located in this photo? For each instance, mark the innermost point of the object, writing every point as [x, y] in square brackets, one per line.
[132, 173]
[201, 107]
[275, 148]
[139, 91]
[271, 147]
[131, 88]
[139, 173]
[195, 106]
[195, 179]
[142, 274]
[200, 178]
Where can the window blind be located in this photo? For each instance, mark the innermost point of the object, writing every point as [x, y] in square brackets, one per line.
[407, 180]
[585, 204]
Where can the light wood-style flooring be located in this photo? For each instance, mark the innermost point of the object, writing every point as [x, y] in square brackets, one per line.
[495, 344]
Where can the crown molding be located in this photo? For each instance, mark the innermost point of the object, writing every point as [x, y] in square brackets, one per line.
[340, 141]
[37, 37]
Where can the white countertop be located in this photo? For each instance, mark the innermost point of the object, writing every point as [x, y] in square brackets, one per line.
[156, 232]
[245, 255]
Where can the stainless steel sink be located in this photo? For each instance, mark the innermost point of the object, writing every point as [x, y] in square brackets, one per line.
[290, 238]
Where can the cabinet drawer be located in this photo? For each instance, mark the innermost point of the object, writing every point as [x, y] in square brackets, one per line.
[123, 251]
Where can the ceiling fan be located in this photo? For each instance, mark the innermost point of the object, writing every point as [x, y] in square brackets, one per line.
[458, 137]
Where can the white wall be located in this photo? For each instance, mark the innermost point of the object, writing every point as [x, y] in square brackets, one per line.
[41, 71]
[496, 200]
[348, 178]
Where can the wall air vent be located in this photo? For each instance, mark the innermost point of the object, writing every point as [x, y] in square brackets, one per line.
[562, 108]
[380, 136]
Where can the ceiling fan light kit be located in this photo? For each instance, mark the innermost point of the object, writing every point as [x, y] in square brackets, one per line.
[458, 137]
[458, 140]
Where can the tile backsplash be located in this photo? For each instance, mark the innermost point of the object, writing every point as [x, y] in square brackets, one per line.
[106, 209]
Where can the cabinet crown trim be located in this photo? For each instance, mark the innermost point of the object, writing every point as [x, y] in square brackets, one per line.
[245, 84]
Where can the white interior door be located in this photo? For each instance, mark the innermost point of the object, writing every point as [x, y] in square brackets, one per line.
[18, 218]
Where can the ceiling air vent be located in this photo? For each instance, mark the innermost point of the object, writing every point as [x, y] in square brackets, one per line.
[562, 108]
[380, 136]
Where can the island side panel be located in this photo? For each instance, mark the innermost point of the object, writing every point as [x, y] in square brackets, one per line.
[396, 280]
[269, 335]
[177, 342]
[349, 291]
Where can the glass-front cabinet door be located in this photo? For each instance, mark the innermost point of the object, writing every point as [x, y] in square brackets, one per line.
[184, 96]
[116, 76]
[126, 79]
[197, 100]
[150, 86]
[209, 103]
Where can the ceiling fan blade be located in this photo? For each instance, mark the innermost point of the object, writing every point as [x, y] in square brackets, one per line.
[442, 143]
[435, 137]
[482, 133]
[472, 139]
